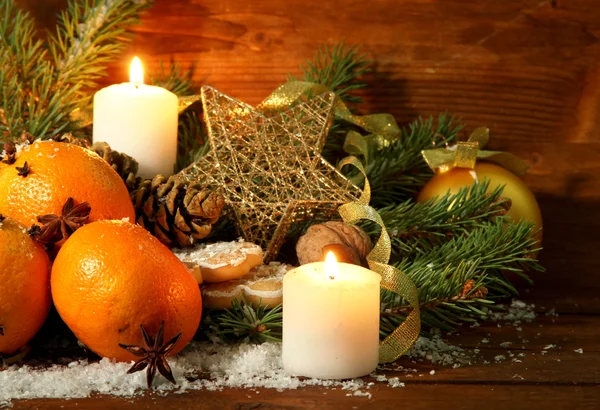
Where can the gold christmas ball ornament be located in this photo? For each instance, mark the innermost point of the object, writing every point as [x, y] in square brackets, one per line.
[524, 205]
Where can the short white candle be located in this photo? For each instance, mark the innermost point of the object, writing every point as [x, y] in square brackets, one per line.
[139, 120]
[330, 320]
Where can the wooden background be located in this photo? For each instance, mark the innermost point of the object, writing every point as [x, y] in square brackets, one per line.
[528, 69]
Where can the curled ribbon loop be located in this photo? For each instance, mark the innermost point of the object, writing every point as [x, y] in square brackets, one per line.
[392, 279]
[465, 155]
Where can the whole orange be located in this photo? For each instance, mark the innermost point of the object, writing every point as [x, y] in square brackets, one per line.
[24, 286]
[59, 171]
[110, 277]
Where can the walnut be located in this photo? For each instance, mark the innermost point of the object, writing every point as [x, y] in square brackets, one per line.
[349, 243]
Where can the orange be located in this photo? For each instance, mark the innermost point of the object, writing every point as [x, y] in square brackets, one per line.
[24, 286]
[59, 171]
[110, 277]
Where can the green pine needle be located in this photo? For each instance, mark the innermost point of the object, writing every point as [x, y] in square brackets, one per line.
[398, 172]
[41, 84]
[178, 80]
[340, 68]
[245, 322]
[415, 227]
[192, 140]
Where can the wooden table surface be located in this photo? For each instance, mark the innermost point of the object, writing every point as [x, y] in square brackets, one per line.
[528, 69]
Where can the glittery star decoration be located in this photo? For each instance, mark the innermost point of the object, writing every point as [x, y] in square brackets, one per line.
[270, 167]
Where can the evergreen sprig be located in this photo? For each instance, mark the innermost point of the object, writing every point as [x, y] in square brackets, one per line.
[178, 80]
[89, 35]
[398, 172]
[43, 83]
[459, 279]
[456, 248]
[245, 322]
[340, 68]
[26, 79]
[192, 141]
[416, 227]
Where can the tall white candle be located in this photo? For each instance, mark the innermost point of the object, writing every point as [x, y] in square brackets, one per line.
[330, 320]
[139, 120]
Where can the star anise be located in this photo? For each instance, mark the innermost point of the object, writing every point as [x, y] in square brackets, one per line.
[56, 228]
[34, 230]
[24, 170]
[153, 355]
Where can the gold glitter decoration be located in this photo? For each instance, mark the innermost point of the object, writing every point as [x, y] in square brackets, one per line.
[183, 103]
[270, 167]
[392, 279]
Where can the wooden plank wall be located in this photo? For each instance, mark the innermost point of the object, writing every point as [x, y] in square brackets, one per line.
[528, 69]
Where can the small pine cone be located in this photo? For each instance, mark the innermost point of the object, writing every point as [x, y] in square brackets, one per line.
[176, 213]
[126, 166]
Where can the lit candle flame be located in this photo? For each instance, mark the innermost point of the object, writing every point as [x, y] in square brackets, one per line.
[136, 72]
[331, 266]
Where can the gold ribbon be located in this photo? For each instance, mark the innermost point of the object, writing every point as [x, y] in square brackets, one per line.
[466, 154]
[381, 128]
[402, 338]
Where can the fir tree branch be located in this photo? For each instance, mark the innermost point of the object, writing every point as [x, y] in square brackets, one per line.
[39, 90]
[416, 228]
[398, 172]
[339, 68]
[26, 87]
[89, 35]
[245, 322]
[177, 80]
[192, 140]
[479, 260]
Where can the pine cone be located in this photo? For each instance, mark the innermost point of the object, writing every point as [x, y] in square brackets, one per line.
[176, 213]
[126, 166]
[348, 242]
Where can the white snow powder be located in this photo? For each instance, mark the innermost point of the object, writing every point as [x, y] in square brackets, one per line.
[200, 366]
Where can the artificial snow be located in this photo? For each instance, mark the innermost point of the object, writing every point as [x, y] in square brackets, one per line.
[435, 350]
[516, 313]
[206, 366]
[201, 366]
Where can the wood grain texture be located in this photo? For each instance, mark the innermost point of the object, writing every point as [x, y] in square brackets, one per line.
[418, 397]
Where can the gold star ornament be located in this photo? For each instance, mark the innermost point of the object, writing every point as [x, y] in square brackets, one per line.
[270, 165]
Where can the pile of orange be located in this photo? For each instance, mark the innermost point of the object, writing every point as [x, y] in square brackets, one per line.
[109, 277]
